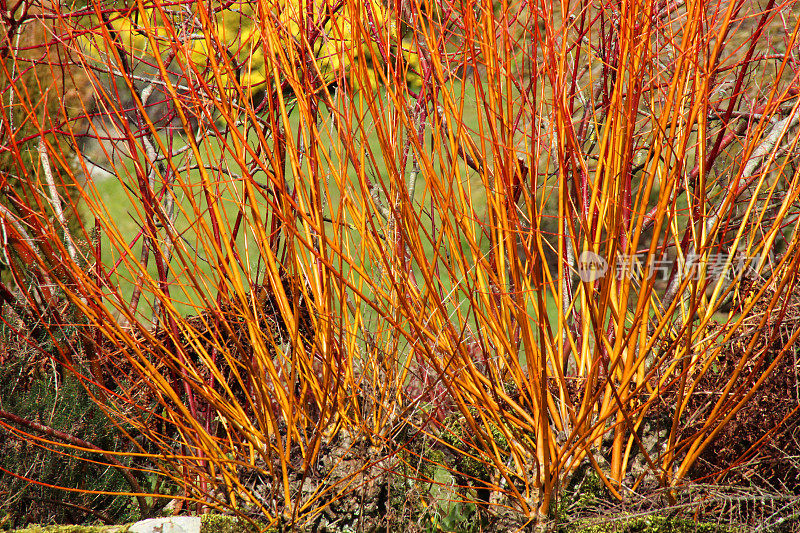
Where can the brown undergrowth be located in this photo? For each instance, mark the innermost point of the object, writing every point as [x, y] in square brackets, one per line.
[760, 445]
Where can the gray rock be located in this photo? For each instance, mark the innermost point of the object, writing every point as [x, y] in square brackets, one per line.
[172, 524]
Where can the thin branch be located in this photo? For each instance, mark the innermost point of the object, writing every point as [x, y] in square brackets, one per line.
[55, 200]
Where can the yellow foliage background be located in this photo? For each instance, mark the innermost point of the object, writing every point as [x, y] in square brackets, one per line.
[254, 45]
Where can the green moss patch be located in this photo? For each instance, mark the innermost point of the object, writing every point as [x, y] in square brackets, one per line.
[648, 524]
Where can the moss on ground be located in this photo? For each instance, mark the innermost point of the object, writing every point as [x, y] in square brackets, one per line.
[210, 523]
[648, 524]
[215, 523]
[74, 529]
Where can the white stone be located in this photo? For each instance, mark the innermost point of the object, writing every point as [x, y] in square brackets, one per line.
[172, 524]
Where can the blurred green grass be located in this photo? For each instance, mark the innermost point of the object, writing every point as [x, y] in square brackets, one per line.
[125, 213]
[194, 283]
